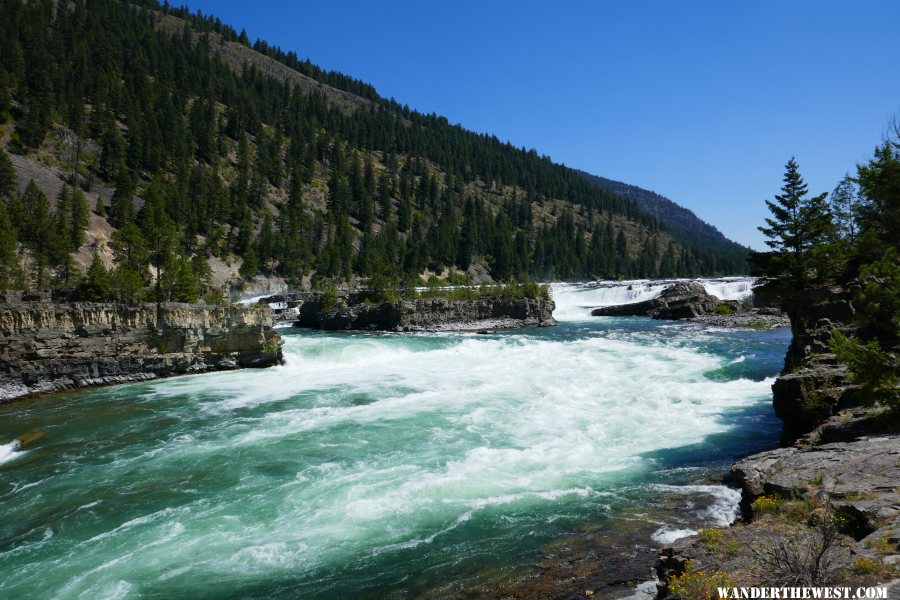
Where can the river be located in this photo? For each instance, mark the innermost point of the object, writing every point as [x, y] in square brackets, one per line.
[388, 465]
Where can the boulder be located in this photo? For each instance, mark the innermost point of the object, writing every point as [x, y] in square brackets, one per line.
[635, 309]
[861, 476]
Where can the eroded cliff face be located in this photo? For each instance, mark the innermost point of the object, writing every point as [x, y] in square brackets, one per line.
[813, 386]
[839, 457]
[47, 346]
[432, 314]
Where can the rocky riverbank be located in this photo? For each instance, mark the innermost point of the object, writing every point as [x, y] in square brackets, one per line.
[423, 314]
[835, 483]
[47, 346]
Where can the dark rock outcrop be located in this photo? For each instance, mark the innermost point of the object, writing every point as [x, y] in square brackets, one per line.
[46, 346]
[635, 309]
[813, 386]
[431, 314]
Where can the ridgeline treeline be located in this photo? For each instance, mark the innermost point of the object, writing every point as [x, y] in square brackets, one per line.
[194, 145]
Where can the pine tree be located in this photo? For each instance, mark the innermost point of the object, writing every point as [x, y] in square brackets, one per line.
[879, 182]
[95, 284]
[845, 206]
[80, 218]
[799, 224]
[121, 210]
[185, 285]
[60, 252]
[160, 232]
[130, 277]
[38, 231]
[10, 266]
[8, 178]
[250, 266]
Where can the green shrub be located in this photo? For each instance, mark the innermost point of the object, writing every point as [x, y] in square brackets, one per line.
[381, 288]
[711, 538]
[214, 297]
[881, 544]
[329, 298]
[724, 309]
[871, 367]
[699, 585]
[458, 278]
[766, 505]
[866, 566]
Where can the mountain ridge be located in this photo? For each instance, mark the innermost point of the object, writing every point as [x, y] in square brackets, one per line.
[662, 207]
[248, 157]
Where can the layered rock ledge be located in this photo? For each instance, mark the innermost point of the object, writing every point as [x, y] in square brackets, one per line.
[837, 455]
[48, 346]
[429, 314]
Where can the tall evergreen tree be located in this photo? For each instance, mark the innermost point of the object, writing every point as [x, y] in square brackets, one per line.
[130, 276]
[798, 226]
[39, 234]
[8, 178]
[95, 284]
[10, 266]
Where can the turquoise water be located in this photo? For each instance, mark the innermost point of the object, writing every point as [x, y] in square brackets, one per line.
[378, 465]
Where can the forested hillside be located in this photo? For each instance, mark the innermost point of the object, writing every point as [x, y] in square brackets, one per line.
[166, 150]
[681, 222]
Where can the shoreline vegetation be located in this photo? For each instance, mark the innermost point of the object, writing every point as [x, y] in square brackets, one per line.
[822, 509]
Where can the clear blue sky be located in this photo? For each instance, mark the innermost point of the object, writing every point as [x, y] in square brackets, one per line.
[703, 102]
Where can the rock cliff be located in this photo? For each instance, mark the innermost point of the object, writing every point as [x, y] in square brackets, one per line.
[431, 314]
[837, 455]
[813, 386]
[47, 346]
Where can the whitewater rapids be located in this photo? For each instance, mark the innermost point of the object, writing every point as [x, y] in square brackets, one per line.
[367, 459]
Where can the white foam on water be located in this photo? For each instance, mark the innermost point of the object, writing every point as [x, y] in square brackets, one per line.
[726, 501]
[9, 451]
[644, 591]
[724, 509]
[665, 535]
[730, 288]
[391, 442]
[253, 300]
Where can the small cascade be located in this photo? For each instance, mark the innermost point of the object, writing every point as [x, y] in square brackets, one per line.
[574, 301]
[730, 288]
